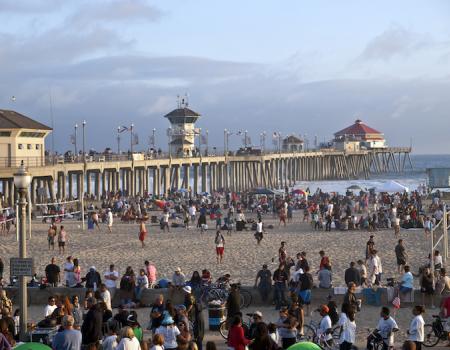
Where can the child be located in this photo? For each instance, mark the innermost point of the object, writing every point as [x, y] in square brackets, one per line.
[363, 272]
[416, 328]
[273, 332]
[110, 341]
[157, 342]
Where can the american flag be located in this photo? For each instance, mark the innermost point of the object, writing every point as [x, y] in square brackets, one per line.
[123, 128]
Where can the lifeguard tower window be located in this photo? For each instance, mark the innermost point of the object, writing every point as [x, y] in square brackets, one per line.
[438, 177]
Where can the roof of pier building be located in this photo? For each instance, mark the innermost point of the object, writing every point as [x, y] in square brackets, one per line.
[182, 115]
[292, 139]
[359, 131]
[13, 120]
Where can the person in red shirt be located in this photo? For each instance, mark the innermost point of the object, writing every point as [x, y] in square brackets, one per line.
[324, 260]
[236, 337]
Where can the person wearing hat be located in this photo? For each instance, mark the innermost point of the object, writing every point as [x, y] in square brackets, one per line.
[256, 319]
[93, 279]
[189, 302]
[169, 330]
[325, 324]
[132, 321]
[178, 281]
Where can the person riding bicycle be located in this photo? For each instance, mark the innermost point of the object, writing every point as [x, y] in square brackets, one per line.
[384, 331]
[224, 280]
[325, 326]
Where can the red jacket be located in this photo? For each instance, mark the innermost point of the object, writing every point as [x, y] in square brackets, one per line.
[236, 338]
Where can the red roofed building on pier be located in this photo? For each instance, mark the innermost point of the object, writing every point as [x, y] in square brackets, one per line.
[359, 136]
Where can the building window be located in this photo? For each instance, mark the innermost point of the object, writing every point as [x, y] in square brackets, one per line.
[20, 146]
[31, 134]
[29, 146]
[5, 133]
[38, 146]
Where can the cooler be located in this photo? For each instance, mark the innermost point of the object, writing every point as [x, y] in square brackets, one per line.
[216, 315]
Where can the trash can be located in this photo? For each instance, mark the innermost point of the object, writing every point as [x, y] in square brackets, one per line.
[216, 314]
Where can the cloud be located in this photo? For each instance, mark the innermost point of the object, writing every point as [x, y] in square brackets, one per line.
[394, 42]
[29, 7]
[114, 11]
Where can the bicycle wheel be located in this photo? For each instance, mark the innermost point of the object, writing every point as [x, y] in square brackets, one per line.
[431, 338]
[223, 329]
[247, 297]
[309, 334]
[336, 332]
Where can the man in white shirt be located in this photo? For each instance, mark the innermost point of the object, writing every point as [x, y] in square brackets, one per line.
[178, 281]
[106, 296]
[50, 307]
[385, 328]
[325, 324]
[111, 277]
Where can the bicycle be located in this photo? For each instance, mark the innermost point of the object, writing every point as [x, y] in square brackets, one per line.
[376, 340]
[223, 328]
[311, 334]
[434, 332]
[220, 292]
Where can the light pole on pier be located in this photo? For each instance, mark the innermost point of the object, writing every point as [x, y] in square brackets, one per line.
[131, 140]
[118, 140]
[262, 141]
[75, 140]
[153, 138]
[22, 180]
[84, 140]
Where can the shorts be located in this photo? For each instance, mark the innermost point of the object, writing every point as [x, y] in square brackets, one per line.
[51, 241]
[61, 244]
[220, 250]
[405, 290]
[305, 295]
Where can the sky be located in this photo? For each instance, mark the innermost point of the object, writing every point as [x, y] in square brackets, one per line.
[295, 67]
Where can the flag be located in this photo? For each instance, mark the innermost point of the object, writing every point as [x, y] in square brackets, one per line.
[123, 128]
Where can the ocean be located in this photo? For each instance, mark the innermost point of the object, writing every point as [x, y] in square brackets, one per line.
[411, 178]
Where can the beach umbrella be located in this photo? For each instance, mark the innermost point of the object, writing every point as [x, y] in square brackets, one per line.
[298, 191]
[306, 345]
[32, 346]
[160, 204]
[355, 187]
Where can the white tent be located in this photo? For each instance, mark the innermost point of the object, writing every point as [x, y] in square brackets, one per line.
[391, 187]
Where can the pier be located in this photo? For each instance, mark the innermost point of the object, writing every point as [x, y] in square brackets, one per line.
[139, 173]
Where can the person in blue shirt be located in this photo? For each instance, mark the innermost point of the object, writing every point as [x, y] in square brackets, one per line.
[406, 284]
[69, 338]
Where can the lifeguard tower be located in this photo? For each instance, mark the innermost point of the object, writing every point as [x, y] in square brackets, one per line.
[182, 129]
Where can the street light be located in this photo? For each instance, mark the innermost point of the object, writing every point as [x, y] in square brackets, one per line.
[207, 137]
[169, 135]
[225, 137]
[131, 139]
[22, 180]
[118, 140]
[153, 138]
[262, 140]
[75, 141]
[84, 141]
[245, 138]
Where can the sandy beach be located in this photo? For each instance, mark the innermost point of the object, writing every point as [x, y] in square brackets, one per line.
[192, 250]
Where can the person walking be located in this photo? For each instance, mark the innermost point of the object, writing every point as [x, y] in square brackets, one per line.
[62, 239]
[416, 331]
[401, 256]
[280, 278]
[259, 231]
[142, 232]
[265, 283]
[220, 246]
[109, 219]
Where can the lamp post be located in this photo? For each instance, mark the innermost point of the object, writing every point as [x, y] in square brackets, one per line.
[22, 180]
[225, 136]
[118, 140]
[207, 137]
[75, 141]
[131, 139]
[262, 140]
[245, 138]
[153, 138]
[84, 141]
[169, 135]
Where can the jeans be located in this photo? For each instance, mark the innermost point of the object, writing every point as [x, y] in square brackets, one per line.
[280, 291]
